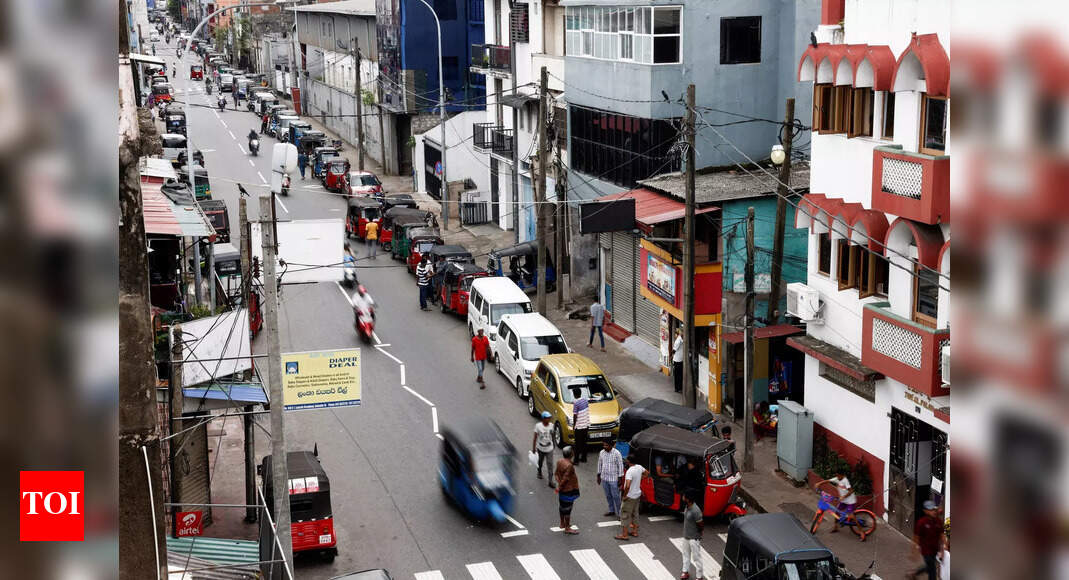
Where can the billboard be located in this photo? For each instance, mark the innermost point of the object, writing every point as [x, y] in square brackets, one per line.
[321, 379]
[607, 216]
[661, 278]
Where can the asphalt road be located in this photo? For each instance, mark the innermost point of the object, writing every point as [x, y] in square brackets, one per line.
[382, 456]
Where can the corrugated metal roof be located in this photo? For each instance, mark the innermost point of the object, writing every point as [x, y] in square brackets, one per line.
[167, 216]
[652, 207]
[199, 554]
[726, 185]
[156, 167]
[353, 7]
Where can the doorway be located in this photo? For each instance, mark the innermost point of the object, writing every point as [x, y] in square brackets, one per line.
[917, 470]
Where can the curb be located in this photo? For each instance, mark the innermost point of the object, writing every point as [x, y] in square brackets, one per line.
[751, 501]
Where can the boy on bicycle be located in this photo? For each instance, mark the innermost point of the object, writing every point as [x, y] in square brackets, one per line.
[847, 497]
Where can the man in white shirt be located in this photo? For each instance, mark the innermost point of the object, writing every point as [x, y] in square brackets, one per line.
[542, 442]
[677, 361]
[632, 496]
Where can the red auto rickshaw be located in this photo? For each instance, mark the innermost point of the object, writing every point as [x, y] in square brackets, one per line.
[162, 92]
[311, 517]
[335, 173]
[196, 72]
[665, 450]
[421, 241]
[361, 211]
[456, 286]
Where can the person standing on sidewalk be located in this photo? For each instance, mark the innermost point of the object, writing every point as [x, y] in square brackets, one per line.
[542, 442]
[693, 526]
[610, 469]
[632, 496]
[302, 162]
[480, 345]
[928, 540]
[597, 321]
[371, 236]
[580, 422]
[423, 280]
[567, 489]
[677, 361]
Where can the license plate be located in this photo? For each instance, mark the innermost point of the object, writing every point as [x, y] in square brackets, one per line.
[324, 539]
[601, 435]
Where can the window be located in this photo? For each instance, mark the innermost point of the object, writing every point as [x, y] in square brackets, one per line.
[872, 274]
[888, 115]
[618, 148]
[649, 35]
[593, 387]
[518, 28]
[822, 100]
[933, 125]
[740, 40]
[864, 389]
[535, 347]
[849, 257]
[861, 119]
[925, 296]
[841, 109]
[446, 9]
[824, 254]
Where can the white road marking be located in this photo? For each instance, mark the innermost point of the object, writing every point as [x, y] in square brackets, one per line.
[660, 518]
[514, 522]
[439, 435]
[514, 533]
[710, 567]
[643, 559]
[224, 124]
[284, 208]
[560, 529]
[483, 571]
[378, 342]
[608, 524]
[430, 575]
[403, 375]
[395, 359]
[243, 151]
[251, 163]
[434, 418]
[723, 537]
[232, 135]
[334, 209]
[417, 395]
[207, 150]
[537, 567]
[348, 298]
[261, 176]
[593, 565]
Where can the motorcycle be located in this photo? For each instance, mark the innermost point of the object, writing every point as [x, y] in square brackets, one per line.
[222, 104]
[365, 323]
[285, 184]
[254, 147]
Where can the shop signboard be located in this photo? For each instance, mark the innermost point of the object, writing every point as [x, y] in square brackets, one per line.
[661, 277]
[321, 379]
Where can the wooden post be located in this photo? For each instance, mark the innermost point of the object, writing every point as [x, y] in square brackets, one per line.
[748, 349]
[540, 191]
[690, 397]
[772, 315]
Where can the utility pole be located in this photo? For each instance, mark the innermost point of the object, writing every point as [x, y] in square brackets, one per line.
[558, 227]
[781, 215]
[248, 420]
[175, 403]
[279, 468]
[359, 108]
[196, 243]
[690, 398]
[748, 350]
[540, 192]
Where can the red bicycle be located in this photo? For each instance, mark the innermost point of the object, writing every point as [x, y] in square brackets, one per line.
[861, 522]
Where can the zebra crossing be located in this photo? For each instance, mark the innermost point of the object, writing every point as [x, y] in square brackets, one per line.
[628, 560]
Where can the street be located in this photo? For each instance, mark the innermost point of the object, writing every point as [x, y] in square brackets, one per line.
[382, 456]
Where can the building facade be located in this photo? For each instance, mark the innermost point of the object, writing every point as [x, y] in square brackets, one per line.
[877, 295]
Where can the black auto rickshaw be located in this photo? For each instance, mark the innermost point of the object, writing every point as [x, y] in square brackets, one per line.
[310, 140]
[216, 211]
[176, 123]
[520, 264]
[361, 211]
[456, 285]
[477, 469]
[198, 158]
[312, 519]
[420, 241]
[666, 452]
[318, 157]
[450, 253]
[775, 546]
[650, 411]
[398, 200]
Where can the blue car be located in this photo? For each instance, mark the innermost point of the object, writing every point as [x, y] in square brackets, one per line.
[477, 469]
[520, 264]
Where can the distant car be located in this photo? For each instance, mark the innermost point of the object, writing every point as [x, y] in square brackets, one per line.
[364, 183]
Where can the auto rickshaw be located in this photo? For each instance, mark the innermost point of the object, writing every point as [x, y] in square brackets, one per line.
[283, 129]
[477, 469]
[202, 187]
[334, 173]
[318, 157]
[361, 211]
[176, 124]
[163, 92]
[665, 450]
[420, 241]
[456, 286]
[297, 130]
[172, 144]
[773, 546]
[276, 124]
[401, 230]
[520, 264]
[392, 214]
[242, 88]
[650, 411]
[312, 520]
[310, 140]
[196, 72]
[451, 253]
[398, 200]
[198, 158]
[215, 210]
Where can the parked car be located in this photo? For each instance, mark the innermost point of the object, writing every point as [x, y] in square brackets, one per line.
[522, 340]
[553, 387]
[364, 183]
[490, 299]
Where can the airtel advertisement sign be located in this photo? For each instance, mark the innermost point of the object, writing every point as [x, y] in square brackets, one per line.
[188, 524]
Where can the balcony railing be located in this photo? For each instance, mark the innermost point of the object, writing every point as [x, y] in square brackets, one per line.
[481, 135]
[911, 185]
[491, 57]
[502, 141]
[903, 350]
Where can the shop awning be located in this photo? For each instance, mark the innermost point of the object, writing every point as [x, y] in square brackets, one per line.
[858, 65]
[652, 208]
[868, 227]
[923, 66]
[765, 332]
[165, 215]
[216, 347]
[516, 100]
[222, 396]
[834, 357]
[928, 239]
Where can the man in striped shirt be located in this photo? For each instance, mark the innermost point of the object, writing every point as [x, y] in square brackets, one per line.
[610, 469]
[580, 422]
[423, 280]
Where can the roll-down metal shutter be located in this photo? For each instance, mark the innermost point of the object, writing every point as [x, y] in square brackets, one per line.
[624, 256]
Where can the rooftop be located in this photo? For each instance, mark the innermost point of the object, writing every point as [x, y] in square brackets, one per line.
[351, 7]
[726, 185]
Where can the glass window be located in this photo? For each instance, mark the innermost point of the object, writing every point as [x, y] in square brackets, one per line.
[934, 125]
[535, 347]
[722, 466]
[824, 254]
[499, 310]
[822, 107]
[740, 40]
[666, 21]
[888, 115]
[594, 387]
[665, 49]
[926, 296]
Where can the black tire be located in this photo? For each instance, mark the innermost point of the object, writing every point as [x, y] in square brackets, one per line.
[328, 555]
[558, 435]
[519, 387]
[444, 307]
[531, 407]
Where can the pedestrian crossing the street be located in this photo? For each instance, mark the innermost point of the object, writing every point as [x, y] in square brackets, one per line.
[631, 559]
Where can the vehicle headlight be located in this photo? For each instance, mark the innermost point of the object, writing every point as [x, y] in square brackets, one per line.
[526, 373]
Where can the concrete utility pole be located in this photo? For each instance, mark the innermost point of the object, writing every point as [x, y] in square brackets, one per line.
[540, 191]
[748, 350]
[249, 426]
[781, 215]
[690, 398]
[279, 468]
[359, 108]
[558, 228]
[142, 543]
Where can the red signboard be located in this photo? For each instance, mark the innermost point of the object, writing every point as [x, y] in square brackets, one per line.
[188, 524]
[50, 506]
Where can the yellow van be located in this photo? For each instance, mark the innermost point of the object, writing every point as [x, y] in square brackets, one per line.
[553, 386]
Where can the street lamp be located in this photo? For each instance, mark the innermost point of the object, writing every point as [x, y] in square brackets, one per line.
[777, 155]
[441, 114]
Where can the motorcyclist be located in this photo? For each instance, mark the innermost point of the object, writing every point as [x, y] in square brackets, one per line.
[208, 84]
[222, 102]
[253, 136]
[349, 262]
[362, 302]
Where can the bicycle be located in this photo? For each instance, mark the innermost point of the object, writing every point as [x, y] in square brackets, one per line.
[861, 522]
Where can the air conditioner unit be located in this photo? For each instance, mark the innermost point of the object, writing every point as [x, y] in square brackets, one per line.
[944, 364]
[804, 303]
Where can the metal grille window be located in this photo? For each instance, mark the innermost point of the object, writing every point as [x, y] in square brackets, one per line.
[621, 149]
[900, 177]
[649, 35]
[519, 23]
[898, 343]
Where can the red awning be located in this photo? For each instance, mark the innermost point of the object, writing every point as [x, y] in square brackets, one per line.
[927, 238]
[875, 69]
[763, 333]
[869, 228]
[923, 60]
[846, 66]
[859, 65]
[653, 208]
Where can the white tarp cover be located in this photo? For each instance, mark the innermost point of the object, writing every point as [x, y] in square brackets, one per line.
[304, 244]
[216, 337]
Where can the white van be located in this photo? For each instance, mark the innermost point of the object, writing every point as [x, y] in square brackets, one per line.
[490, 299]
[523, 339]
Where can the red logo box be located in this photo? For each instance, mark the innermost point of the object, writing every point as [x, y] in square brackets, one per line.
[51, 506]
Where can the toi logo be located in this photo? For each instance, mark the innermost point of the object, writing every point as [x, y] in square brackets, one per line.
[51, 506]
